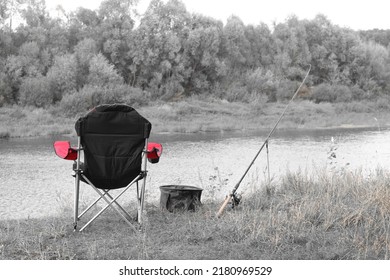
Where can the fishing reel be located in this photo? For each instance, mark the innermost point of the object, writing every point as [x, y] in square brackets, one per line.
[235, 200]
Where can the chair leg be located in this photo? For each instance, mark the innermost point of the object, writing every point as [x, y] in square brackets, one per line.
[141, 194]
[76, 201]
[106, 192]
[110, 203]
[77, 184]
[138, 203]
[141, 200]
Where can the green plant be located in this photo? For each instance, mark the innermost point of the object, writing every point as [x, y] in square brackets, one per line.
[36, 92]
[90, 96]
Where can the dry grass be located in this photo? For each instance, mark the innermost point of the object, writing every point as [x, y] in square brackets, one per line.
[203, 115]
[323, 216]
[18, 121]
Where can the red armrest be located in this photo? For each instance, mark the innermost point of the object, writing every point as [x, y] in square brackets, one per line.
[154, 152]
[64, 150]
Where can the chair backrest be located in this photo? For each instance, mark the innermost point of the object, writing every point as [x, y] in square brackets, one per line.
[112, 138]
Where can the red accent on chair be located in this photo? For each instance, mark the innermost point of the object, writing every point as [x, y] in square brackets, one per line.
[154, 151]
[64, 150]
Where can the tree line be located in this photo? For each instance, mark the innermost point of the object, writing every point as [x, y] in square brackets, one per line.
[115, 54]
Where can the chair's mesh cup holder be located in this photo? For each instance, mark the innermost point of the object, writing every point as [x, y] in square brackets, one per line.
[180, 198]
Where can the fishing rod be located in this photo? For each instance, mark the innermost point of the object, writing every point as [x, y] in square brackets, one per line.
[232, 194]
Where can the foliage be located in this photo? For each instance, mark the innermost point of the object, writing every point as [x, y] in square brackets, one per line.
[262, 82]
[62, 76]
[379, 36]
[236, 45]
[331, 93]
[292, 48]
[102, 73]
[5, 90]
[90, 96]
[35, 91]
[173, 53]
[84, 51]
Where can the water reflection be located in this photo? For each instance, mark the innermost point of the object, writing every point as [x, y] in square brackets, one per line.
[35, 183]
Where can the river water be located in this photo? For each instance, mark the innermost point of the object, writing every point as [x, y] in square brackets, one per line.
[35, 183]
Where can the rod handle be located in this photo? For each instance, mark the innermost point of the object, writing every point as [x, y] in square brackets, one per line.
[223, 206]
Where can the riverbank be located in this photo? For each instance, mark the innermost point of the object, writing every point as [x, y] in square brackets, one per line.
[323, 216]
[200, 115]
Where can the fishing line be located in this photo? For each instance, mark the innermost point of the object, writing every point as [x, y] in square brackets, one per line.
[233, 192]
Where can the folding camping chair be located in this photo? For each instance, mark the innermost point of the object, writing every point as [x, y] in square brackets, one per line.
[113, 140]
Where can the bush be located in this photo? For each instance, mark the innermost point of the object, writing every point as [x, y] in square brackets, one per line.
[35, 91]
[102, 73]
[286, 89]
[62, 76]
[358, 93]
[90, 96]
[170, 90]
[5, 90]
[323, 93]
[261, 82]
[236, 92]
[383, 103]
[343, 93]
[331, 93]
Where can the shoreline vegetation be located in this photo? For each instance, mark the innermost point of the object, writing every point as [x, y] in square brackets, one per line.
[323, 216]
[195, 115]
[186, 72]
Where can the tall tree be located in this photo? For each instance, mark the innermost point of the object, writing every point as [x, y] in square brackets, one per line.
[84, 51]
[156, 48]
[202, 55]
[292, 49]
[320, 39]
[262, 45]
[84, 23]
[236, 44]
[35, 13]
[62, 76]
[102, 73]
[117, 18]
[370, 69]
[8, 10]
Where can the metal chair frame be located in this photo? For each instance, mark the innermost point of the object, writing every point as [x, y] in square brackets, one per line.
[104, 194]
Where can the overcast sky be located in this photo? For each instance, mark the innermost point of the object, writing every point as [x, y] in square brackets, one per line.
[346, 13]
